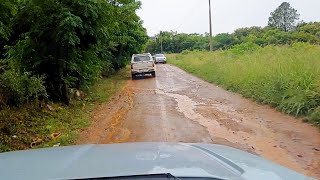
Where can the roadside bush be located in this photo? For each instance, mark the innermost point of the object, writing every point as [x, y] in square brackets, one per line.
[315, 116]
[185, 52]
[302, 46]
[243, 48]
[17, 88]
[32, 125]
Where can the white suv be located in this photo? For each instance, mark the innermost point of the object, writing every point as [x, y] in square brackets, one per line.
[160, 58]
[142, 64]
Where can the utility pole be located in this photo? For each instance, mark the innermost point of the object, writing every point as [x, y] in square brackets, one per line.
[161, 42]
[210, 24]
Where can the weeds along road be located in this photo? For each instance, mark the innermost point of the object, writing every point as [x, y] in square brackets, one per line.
[178, 107]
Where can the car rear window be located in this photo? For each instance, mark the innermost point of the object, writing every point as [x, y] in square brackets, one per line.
[159, 55]
[141, 58]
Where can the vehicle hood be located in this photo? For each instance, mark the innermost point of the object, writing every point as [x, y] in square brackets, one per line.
[181, 160]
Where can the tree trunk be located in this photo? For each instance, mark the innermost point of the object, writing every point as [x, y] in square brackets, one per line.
[119, 58]
[63, 87]
[65, 94]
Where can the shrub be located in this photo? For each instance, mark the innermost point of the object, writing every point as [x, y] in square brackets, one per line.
[185, 52]
[315, 116]
[244, 47]
[17, 88]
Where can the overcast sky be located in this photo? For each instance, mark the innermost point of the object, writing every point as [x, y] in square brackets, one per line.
[191, 16]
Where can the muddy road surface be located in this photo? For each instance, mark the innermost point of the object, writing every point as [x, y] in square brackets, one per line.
[178, 107]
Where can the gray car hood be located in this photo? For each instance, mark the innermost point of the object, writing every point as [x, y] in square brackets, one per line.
[181, 160]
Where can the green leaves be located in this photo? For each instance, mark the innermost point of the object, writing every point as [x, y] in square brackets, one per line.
[284, 17]
[224, 41]
[71, 42]
[174, 42]
[20, 88]
[7, 11]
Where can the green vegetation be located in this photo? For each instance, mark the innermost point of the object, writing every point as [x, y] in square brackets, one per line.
[45, 125]
[51, 50]
[286, 77]
[176, 43]
[59, 45]
[282, 29]
[284, 17]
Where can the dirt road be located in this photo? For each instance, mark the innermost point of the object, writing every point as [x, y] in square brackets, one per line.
[178, 107]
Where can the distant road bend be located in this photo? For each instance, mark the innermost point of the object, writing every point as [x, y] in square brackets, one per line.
[178, 107]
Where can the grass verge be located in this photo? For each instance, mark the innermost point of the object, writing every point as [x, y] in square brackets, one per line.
[287, 78]
[39, 125]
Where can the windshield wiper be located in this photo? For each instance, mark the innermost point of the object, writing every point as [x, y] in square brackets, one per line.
[146, 176]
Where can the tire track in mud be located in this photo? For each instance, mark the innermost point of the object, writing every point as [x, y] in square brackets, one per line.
[107, 126]
[116, 133]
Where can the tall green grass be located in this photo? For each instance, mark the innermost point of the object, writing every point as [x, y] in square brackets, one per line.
[288, 78]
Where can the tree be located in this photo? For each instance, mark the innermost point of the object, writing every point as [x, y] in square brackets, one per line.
[7, 11]
[284, 17]
[71, 42]
[174, 42]
[243, 32]
[130, 35]
[224, 41]
[312, 28]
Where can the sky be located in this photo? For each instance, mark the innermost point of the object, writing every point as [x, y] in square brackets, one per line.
[191, 16]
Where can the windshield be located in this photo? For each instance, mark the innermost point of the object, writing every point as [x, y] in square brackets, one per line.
[141, 58]
[159, 55]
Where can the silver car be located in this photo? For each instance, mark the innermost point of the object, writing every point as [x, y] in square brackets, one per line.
[141, 161]
[160, 58]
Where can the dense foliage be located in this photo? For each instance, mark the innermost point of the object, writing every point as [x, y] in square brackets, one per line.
[282, 29]
[286, 77]
[63, 44]
[175, 43]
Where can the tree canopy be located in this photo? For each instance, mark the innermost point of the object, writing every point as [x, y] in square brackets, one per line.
[282, 29]
[175, 43]
[67, 44]
[284, 17]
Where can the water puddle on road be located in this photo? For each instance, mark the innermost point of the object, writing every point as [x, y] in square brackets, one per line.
[263, 144]
[186, 106]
